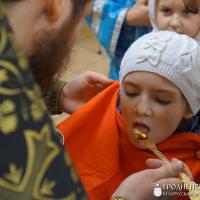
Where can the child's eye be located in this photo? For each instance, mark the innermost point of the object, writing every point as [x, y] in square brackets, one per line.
[131, 94]
[191, 10]
[166, 11]
[162, 101]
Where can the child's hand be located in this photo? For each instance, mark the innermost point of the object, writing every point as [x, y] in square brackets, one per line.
[155, 163]
[138, 15]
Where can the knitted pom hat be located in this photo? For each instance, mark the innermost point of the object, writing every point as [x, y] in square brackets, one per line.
[152, 16]
[173, 56]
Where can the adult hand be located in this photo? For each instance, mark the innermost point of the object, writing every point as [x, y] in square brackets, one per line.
[138, 15]
[80, 90]
[155, 163]
[139, 186]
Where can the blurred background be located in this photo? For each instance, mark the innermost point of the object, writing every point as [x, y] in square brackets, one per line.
[87, 54]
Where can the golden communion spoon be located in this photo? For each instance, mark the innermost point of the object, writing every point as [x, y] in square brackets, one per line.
[194, 192]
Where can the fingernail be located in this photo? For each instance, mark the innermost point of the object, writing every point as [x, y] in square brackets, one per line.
[179, 164]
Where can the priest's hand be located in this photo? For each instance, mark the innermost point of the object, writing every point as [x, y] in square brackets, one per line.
[80, 90]
[140, 186]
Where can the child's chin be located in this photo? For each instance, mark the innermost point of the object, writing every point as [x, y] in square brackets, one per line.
[137, 145]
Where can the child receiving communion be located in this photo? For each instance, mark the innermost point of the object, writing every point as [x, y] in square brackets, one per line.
[159, 89]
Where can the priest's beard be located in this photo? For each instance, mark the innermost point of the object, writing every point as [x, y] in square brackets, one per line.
[51, 53]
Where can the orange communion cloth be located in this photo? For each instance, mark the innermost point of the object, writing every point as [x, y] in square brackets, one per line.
[96, 138]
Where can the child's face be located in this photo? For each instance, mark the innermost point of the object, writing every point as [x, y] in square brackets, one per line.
[151, 104]
[178, 16]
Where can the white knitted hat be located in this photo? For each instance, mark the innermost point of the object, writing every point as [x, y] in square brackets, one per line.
[152, 16]
[173, 56]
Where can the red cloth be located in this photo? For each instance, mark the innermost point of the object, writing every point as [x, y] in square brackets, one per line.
[98, 143]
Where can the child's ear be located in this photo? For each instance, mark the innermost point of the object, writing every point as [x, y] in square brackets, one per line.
[188, 113]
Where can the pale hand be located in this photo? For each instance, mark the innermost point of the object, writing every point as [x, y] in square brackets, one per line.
[80, 90]
[138, 15]
[140, 186]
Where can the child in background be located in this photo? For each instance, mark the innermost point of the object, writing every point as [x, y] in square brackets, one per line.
[159, 90]
[119, 23]
[181, 16]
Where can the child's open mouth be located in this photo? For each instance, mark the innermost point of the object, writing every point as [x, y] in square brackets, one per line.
[139, 128]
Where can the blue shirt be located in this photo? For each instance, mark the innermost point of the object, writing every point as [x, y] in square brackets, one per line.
[108, 23]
